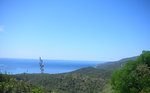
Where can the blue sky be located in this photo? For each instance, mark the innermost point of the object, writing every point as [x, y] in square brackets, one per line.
[74, 29]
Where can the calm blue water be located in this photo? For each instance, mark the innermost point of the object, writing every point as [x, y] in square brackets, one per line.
[16, 66]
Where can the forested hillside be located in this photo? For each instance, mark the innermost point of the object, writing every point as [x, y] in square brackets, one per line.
[86, 80]
[115, 64]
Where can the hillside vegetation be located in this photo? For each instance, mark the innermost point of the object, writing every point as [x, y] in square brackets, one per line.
[134, 77]
[8, 84]
[87, 80]
[115, 64]
[107, 89]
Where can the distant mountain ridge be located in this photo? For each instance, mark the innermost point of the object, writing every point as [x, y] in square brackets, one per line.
[115, 64]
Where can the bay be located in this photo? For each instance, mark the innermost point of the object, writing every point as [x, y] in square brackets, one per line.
[17, 66]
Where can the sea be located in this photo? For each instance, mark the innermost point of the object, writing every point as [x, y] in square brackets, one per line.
[18, 66]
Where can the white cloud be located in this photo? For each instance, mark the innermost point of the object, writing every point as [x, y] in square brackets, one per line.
[1, 28]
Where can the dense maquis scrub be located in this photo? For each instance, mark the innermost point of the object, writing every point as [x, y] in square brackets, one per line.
[87, 80]
[11, 85]
[134, 77]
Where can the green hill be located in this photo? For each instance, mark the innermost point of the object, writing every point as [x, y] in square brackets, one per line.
[86, 80]
[115, 64]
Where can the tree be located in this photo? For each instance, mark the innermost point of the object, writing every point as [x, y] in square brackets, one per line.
[134, 77]
[41, 65]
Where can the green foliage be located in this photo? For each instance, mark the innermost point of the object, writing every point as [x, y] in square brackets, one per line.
[94, 72]
[144, 58]
[11, 85]
[134, 77]
[86, 80]
[107, 89]
[38, 90]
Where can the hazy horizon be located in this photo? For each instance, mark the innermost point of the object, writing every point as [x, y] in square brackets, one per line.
[65, 59]
[17, 66]
[99, 30]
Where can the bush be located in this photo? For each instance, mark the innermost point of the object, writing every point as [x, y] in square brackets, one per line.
[134, 77]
